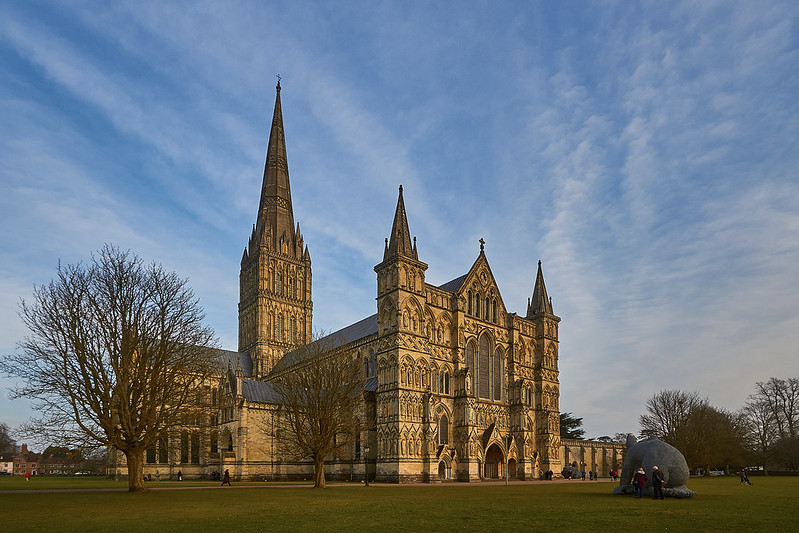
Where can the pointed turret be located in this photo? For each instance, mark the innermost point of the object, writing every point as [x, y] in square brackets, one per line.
[540, 302]
[275, 209]
[400, 241]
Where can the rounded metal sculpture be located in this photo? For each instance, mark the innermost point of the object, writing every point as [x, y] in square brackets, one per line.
[654, 452]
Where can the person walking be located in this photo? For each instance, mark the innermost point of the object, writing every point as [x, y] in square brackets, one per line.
[657, 482]
[226, 478]
[639, 482]
[180, 475]
[745, 477]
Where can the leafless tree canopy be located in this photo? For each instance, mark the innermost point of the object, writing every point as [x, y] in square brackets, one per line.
[6, 441]
[706, 436]
[114, 355]
[772, 415]
[322, 396]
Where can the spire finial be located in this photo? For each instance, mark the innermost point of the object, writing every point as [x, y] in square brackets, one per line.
[278, 81]
[482, 244]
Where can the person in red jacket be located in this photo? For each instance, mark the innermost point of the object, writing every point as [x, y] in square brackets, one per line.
[639, 482]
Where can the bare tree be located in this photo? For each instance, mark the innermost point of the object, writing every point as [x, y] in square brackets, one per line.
[782, 398]
[705, 435]
[321, 392]
[760, 429]
[114, 357]
[7, 443]
[668, 412]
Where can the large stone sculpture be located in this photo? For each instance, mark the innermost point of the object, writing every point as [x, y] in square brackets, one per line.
[655, 452]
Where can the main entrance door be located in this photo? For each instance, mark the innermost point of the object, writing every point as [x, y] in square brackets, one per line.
[494, 459]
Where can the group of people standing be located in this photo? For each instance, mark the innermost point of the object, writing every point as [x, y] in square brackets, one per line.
[658, 480]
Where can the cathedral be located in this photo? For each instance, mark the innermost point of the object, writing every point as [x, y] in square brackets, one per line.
[457, 387]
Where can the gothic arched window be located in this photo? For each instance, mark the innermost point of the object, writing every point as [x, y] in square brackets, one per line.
[484, 367]
[443, 430]
[497, 375]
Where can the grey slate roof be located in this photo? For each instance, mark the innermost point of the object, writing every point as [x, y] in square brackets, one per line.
[363, 328]
[453, 285]
[259, 391]
[228, 357]
[371, 384]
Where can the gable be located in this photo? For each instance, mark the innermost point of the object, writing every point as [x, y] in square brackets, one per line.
[480, 284]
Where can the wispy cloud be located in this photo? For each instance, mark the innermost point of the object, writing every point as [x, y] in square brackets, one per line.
[646, 154]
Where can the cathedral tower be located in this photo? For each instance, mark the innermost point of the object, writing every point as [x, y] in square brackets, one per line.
[547, 385]
[275, 306]
[400, 280]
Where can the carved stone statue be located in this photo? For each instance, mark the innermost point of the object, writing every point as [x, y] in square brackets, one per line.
[655, 452]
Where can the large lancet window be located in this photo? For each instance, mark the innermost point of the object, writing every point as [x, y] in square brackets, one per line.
[497, 375]
[443, 430]
[484, 368]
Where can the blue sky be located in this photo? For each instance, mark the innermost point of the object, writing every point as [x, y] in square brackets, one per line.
[646, 152]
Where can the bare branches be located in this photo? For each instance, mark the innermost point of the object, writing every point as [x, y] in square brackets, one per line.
[321, 396]
[115, 352]
[704, 434]
[773, 414]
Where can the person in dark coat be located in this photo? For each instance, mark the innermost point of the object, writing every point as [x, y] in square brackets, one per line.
[226, 478]
[657, 482]
[639, 482]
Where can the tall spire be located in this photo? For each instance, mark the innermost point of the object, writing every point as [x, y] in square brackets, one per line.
[275, 208]
[400, 241]
[540, 302]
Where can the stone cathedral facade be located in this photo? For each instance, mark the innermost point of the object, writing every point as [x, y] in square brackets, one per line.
[458, 387]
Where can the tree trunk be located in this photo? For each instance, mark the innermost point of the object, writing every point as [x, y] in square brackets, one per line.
[319, 470]
[135, 462]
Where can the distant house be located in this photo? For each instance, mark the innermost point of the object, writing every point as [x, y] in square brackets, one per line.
[7, 463]
[56, 466]
[26, 462]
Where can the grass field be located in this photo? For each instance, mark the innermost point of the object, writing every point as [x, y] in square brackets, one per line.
[771, 504]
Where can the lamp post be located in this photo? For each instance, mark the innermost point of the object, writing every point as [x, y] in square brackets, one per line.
[366, 464]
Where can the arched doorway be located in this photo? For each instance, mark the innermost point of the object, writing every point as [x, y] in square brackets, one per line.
[512, 468]
[494, 458]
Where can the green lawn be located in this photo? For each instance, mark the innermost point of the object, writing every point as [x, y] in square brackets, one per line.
[771, 504]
